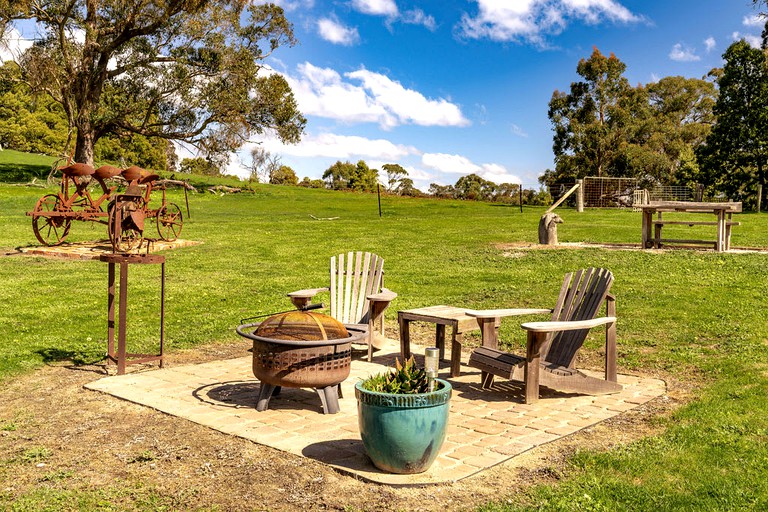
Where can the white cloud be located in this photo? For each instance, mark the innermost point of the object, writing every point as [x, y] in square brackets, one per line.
[754, 41]
[407, 106]
[499, 174]
[681, 53]
[709, 44]
[531, 20]
[322, 92]
[333, 31]
[458, 164]
[418, 17]
[376, 7]
[454, 164]
[378, 99]
[12, 45]
[329, 145]
[290, 5]
[516, 130]
[755, 20]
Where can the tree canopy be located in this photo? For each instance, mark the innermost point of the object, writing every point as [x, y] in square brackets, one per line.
[185, 70]
[605, 127]
[35, 123]
[587, 120]
[348, 176]
[735, 156]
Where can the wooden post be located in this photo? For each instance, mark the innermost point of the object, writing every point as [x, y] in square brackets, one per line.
[759, 197]
[563, 198]
[378, 193]
[521, 197]
[580, 196]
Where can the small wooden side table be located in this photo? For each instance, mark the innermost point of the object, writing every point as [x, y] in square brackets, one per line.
[121, 357]
[441, 316]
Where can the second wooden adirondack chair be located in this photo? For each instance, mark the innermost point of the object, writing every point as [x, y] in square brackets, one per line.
[357, 294]
[552, 346]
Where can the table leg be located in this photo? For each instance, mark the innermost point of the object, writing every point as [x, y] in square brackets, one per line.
[162, 313]
[720, 246]
[646, 230]
[657, 233]
[440, 339]
[456, 339]
[405, 337]
[111, 312]
[122, 312]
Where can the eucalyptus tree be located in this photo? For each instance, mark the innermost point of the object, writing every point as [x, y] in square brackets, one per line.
[395, 175]
[672, 117]
[185, 70]
[735, 156]
[586, 120]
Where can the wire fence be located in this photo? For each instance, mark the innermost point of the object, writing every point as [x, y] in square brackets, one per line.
[601, 192]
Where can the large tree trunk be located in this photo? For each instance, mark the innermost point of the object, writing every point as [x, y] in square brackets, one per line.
[84, 142]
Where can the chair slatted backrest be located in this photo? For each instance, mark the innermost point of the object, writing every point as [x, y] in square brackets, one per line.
[581, 296]
[354, 276]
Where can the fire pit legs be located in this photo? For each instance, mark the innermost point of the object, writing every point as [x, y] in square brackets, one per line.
[265, 393]
[329, 396]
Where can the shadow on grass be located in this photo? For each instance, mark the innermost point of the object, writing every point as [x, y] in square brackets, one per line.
[76, 357]
[22, 173]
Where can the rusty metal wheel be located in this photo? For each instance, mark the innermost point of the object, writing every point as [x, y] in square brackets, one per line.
[169, 222]
[123, 233]
[49, 228]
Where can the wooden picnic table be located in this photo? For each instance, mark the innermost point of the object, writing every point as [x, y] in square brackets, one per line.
[652, 228]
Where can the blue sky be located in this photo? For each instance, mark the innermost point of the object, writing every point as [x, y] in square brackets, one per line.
[450, 87]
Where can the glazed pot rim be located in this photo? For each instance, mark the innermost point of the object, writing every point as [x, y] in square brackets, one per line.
[434, 398]
[442, 389]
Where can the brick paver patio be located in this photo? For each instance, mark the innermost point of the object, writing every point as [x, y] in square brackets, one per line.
[486, 427]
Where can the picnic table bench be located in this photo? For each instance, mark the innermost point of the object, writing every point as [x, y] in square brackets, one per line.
[652, 228]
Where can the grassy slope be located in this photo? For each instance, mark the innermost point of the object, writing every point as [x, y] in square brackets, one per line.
[695, 314]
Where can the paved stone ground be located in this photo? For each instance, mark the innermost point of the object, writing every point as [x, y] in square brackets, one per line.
[486, 427]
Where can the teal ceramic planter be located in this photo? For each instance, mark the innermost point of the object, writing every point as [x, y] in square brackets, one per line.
[403, 433]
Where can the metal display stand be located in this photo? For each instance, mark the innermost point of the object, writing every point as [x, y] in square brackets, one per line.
[121, 357]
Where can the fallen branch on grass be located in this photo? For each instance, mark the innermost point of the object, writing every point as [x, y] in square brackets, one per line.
[177, 183]
[224, 189]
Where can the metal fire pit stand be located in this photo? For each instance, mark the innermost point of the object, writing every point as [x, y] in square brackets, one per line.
[122, 357]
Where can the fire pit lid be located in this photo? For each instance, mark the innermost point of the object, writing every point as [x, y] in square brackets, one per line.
[301, 326]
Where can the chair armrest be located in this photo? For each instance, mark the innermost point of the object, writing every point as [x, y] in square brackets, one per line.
[499, 313]
[567, 326]
[308, 293]
[383, 296]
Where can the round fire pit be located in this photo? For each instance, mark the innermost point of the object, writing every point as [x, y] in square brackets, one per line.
[301, 349]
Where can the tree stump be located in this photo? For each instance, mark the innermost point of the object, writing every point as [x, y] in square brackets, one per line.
[548, 228]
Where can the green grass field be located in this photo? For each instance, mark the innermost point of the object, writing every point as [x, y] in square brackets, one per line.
[687, 315]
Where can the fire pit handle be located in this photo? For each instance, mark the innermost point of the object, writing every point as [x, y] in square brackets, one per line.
[303, 308]
[356, 333]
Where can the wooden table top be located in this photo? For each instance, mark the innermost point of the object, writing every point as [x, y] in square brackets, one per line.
[437, 312]
[690, 206]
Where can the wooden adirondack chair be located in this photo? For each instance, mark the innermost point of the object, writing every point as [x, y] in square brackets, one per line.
[357, 295]
[552, 346]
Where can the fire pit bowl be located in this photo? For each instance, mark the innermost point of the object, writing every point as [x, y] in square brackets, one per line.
[301, 349]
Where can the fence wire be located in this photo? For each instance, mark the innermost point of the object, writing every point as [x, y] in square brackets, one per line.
[602, 192]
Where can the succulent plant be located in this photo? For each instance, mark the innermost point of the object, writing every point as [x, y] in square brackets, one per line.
[403, 379]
